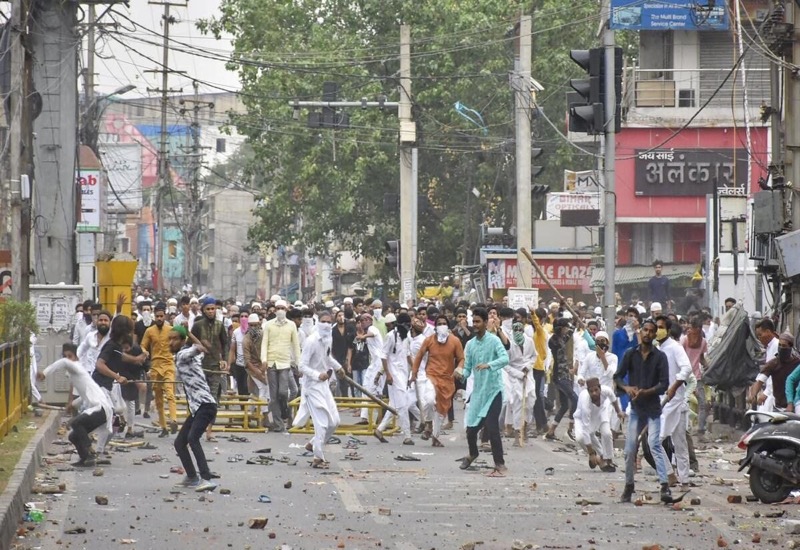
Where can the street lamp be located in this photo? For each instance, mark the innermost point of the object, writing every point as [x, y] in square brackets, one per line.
[90, 117]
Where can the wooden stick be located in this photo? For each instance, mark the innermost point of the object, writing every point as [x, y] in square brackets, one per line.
[363, 390]
[543, 277]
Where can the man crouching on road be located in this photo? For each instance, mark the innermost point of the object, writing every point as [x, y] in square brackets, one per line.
[202, 409]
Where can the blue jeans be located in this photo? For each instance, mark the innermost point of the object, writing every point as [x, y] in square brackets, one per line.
[358, 377]
[653, 439]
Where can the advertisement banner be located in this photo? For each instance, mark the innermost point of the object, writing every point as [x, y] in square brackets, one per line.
[91, 191]
[663, 15]
[564, 273]
[556, 202]
[584, 181]
[123, 163]
[690, 172]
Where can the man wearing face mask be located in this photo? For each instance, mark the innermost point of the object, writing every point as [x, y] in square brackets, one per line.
[443, 354]
[145, 321]
[374, 378]
[674, 407]
[395, 366]
[306, 327]
[317, 365]
[211, 333]
[521, 357]
[778, 369]
[600, 364]
[426, 394]
[280, 348]
[377, 317]
[162, 369]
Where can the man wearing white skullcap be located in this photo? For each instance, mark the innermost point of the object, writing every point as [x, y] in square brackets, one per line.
[601, 364]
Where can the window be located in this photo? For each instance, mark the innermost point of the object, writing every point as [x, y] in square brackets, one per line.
[221, 145]
[651, 241]
[123, 244]
[139, 110]
[172, 249]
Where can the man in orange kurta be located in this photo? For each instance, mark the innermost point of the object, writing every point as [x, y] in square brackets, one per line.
[445, 355]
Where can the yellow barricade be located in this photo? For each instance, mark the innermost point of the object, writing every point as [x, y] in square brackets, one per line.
[347, 404]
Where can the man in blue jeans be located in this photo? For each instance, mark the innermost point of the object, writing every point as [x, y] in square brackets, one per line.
[647, 369]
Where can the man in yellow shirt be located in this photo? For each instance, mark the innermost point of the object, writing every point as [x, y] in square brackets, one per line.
[162, 368]
[539, 378]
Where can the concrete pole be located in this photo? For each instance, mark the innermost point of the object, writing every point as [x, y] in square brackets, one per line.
[163, 163]
[408, 192]
[522, 114]
[90, 41]
[610, 227]
[792, 153]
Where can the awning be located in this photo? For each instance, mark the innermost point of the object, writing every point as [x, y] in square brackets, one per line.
[640, 274]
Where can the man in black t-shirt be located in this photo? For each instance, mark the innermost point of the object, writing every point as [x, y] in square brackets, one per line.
[342, 350]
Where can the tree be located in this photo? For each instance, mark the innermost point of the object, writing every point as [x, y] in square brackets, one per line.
[323, 187]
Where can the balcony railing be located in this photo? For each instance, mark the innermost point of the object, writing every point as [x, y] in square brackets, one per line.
[691, 88]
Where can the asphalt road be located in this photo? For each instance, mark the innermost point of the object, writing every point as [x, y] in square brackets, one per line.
[380, 502]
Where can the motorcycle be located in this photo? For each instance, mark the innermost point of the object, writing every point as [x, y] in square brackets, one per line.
[773, 455]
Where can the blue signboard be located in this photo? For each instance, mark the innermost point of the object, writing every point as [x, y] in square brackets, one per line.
[662, 15]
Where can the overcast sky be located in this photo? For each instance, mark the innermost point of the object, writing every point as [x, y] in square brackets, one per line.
[117, 65]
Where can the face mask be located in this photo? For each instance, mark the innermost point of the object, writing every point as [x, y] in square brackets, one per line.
[103, 330]
[219, 315]
[629, 323]
[519, 338]
[784, 354]
[603, 347]
[280, 315]
[244, 323]
[307, 323]
[507, 324]
[87, 318]
[377, 313]
[441, 333]
[661, 334]
[147, 318]
[324, 330]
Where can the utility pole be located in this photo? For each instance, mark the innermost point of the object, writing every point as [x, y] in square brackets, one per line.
[408, 191]
[19, 160]
[792, 142]
[610, 152]
[164, 181]
[522, 116]
[88, 76]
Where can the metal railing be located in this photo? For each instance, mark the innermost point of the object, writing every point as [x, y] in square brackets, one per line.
[691, 88]
[15, 384]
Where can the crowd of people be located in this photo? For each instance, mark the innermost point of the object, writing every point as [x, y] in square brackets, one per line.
[521, 374]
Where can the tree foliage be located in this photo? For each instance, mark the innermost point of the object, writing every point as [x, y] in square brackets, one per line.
[324, 188]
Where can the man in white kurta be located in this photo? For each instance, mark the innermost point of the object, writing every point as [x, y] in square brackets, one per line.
[521, 356]
[397, 370]
[600, 364]
[316, 364]
[374, 377]
[97, 412]
[426, 393]
[591, 416]
[674, 411]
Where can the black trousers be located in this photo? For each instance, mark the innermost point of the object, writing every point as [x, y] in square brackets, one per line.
[82, 425]
[190, 435]
[491, 422]
[239, 374]
[567, 400]
[538, 408]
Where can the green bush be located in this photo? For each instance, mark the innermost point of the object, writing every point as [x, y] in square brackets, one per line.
[17, 320]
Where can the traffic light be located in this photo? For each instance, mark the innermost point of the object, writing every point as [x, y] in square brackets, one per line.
[587, 106]
[393, 254]
[539, 194]
[329, 117]
[536, 169]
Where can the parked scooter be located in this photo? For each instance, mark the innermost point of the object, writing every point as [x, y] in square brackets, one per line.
[773, 454]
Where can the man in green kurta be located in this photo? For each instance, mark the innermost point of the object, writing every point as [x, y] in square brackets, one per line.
[485, 359]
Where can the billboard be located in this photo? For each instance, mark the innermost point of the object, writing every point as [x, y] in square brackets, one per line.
[663, 15]
[570, 273]
[123, 163]
[690, 172]
[91, 205]
[556, 202]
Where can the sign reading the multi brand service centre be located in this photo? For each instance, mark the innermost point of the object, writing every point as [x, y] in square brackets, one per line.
[690, 172]
[89, 182]
[662, 15]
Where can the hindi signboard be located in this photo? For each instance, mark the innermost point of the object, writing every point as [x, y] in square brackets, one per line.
[690, 172]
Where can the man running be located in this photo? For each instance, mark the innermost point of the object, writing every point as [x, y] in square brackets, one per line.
[162, 368]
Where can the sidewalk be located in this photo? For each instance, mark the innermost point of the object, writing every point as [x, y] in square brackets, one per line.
[18, 490]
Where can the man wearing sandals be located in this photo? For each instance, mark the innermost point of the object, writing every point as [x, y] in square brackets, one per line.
[485, 359]
[316, 366]
[444, 355]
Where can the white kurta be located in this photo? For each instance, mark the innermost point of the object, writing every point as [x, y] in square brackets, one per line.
[674, 413]
[591, 418]
[319, 403]
[426, 393]
[519, 358]
[375, 368]
[93, 397]
[401, 397]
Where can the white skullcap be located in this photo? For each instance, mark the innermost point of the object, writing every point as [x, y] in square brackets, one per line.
[640, 308]
[139, 298]
[253, 318]
[347, 300]
[566, 315]
[390, 318]
[598, 310]
[194, 300]
[329, 304]
[280, 303]
[256, 304]
[655, 306]
[601, 334]
[298, 303]
[553, 305]
[274, 298]
[172, 302]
